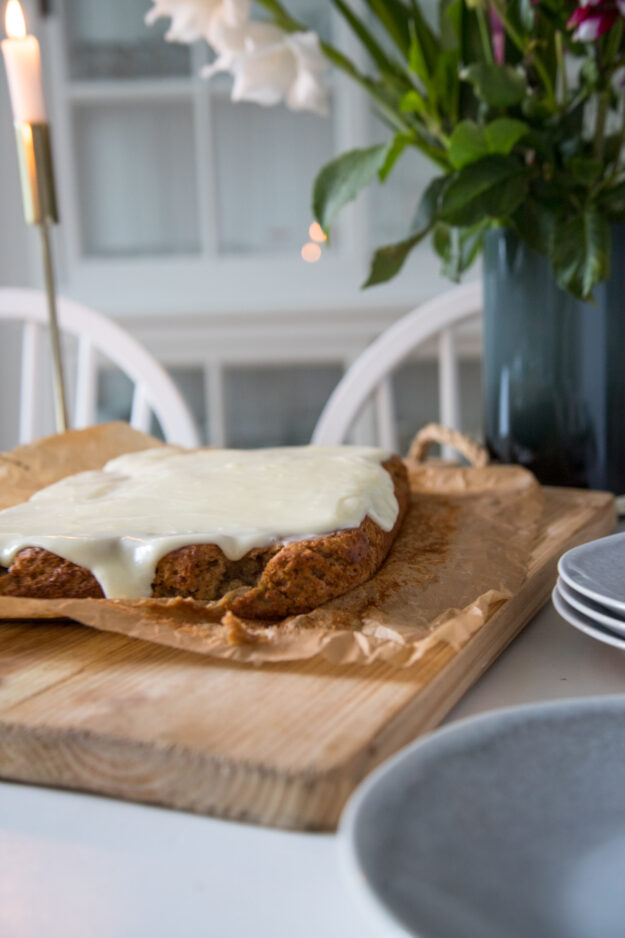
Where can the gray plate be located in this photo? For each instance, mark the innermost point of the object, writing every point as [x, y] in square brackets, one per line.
[510, 825]
[597, 570]
[601, 615]
[585, 624]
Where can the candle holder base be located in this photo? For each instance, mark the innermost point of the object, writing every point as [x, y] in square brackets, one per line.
[36, 173]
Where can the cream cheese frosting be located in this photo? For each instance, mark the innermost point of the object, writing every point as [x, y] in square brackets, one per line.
[118, 522]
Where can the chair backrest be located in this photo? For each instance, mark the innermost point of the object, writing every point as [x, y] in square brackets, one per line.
[370, 373]
[154, 390]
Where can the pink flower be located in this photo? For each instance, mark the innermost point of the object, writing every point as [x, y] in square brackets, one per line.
[499, 37]
[594, 18]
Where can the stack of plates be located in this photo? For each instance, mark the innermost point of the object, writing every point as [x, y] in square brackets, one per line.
[590, 593]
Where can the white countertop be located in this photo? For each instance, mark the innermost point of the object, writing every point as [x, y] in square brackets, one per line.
[78, 866]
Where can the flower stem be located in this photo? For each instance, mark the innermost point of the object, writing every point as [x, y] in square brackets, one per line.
[388, 109]
[619, 145]
[522, 46]
[602, 112]
[484, 35]
[614, 40]
[606, 65]
[564, 85]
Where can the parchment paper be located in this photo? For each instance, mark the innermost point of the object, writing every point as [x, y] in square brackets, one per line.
[463, 550]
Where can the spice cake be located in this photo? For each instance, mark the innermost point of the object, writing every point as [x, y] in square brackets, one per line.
[268, 533]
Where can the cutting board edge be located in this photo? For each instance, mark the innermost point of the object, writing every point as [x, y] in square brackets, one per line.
[64, 759]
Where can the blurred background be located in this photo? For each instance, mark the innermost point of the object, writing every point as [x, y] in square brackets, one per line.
[187, 218]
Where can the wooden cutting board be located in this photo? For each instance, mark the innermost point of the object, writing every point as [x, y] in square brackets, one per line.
[281, 745]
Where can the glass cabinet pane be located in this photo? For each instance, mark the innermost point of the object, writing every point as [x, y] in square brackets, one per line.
[108, 39]
[136, 178]
[266, 161]
[312, 14]
[276, 406]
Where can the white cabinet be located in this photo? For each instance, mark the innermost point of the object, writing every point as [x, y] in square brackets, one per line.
[184, 215]
[156, 164]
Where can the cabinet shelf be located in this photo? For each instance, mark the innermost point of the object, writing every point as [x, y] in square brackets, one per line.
[118, 91]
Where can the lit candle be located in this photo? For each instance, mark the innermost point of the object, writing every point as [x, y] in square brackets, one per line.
[23, 65]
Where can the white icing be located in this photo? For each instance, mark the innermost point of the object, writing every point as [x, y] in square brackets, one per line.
[119, 522]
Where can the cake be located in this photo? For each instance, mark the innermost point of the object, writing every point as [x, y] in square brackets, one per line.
[266, 533]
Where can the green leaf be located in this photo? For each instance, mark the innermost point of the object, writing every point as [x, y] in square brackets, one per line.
[441, 241]
[414, 102]
[429, 205]
[504, 133]
[399, 144]
[500, 86]
[536, 220]
[366, 37]
[472, 240]
[342, 179]
[493, 187]
[416, 59]
[611, 202]
[457, 247]
[451, 21]
[467, 144]
[445, 82]
[535, 109]
[585, 170]
[423, 43]
[388, 261]
[393, 16]
[581, 253]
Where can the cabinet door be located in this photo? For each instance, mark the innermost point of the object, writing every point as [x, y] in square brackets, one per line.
[155, 160]
[265, 159]
[132, 203]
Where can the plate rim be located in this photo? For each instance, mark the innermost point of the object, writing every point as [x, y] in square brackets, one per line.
[569, 595]
[353, 874]
[591, 628]
[616, 604]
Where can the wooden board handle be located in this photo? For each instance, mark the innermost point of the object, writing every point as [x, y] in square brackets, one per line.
[435, 433]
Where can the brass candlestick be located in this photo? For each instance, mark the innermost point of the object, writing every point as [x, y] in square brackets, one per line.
[40, 209]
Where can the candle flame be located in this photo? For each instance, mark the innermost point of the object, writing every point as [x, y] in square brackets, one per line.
[14, 21]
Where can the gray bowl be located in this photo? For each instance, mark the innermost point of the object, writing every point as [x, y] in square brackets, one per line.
[509, 825]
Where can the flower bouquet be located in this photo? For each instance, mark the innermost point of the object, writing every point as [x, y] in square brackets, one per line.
[518, 104]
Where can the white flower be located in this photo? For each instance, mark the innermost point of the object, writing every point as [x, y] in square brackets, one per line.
[270, 66]
[197, 19]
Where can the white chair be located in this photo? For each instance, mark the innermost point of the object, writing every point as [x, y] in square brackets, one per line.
[370, 373]
[97, 336]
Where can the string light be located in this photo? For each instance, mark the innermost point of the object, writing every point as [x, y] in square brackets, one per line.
[311, 252]
[317, 233]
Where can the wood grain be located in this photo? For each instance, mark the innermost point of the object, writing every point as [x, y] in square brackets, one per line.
[282, 745]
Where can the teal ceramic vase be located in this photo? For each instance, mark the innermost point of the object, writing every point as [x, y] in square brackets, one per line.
[554, 368]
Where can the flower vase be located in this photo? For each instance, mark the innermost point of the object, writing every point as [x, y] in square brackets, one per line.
[554, 367]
